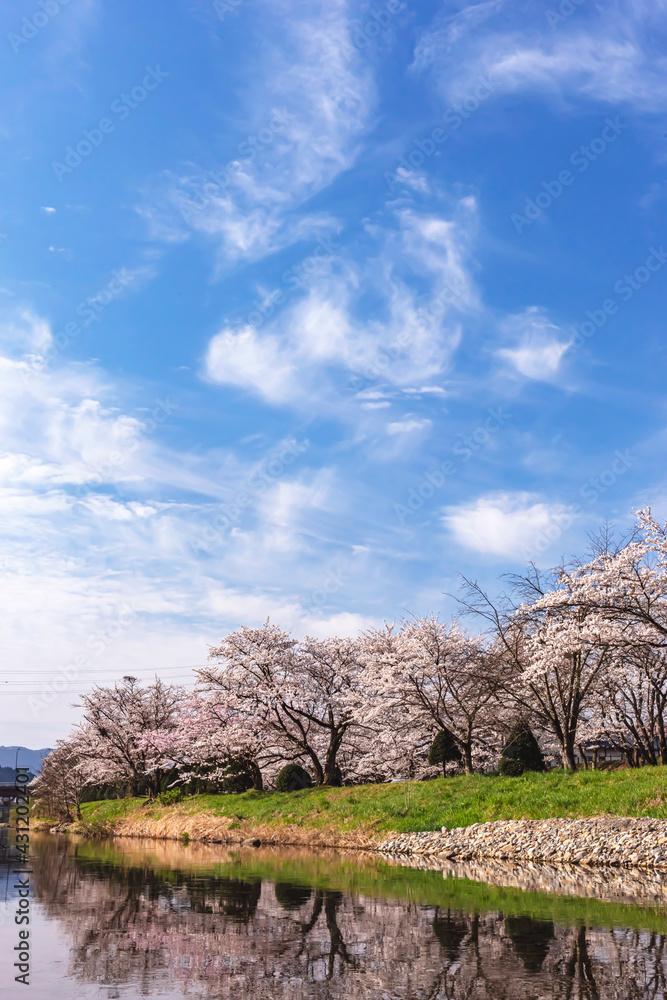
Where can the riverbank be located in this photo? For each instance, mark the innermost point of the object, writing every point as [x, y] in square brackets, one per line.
[370, 817]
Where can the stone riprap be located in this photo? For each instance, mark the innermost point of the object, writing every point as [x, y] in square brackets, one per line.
[636, 843]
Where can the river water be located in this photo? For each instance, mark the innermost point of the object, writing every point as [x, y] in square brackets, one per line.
[129, 919]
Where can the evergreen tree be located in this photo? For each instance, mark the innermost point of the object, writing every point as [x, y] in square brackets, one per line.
[444, 750]
[521, 752]
[237, 777]
[292, 778]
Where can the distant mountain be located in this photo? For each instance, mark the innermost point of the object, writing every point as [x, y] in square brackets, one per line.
[26, 757]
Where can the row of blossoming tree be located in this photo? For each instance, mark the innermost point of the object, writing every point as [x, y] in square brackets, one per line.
[580, 655]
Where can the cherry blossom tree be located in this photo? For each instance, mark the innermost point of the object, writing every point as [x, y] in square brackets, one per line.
[618, 601]
[632, 708]
[426, 677]
[566, 661]
[626, 587]
[207, 736]
[551, 660]
[390, 742]
[62, 781]
[300, 691]
[115, 720]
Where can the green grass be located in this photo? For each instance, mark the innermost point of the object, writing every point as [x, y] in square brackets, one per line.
[448, 802]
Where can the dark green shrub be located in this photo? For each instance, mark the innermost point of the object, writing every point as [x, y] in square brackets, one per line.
[170, 797]
[509, 767]
[521, 752]
[444, 750]
[292, 778]
[237, 777]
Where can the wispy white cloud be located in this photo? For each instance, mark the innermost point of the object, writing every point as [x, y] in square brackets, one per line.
[502, 524]
[317, 96]
[616, 60]
[408, 426]
[420, 278]
[538, 344]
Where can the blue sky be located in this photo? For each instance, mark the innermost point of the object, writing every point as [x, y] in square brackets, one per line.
[308, 307]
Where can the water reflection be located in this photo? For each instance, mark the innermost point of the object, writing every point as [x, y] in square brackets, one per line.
[169, 920]
[450, 929]
[531, 940]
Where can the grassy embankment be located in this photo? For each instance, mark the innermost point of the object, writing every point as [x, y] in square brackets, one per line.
[363, 814]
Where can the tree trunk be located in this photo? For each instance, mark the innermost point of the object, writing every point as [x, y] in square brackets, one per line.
[569, 763]
[467, 759]
[661, 739]
[330, 761]
[579, 968]
[257, 782]
[583, 757]
[317, 767]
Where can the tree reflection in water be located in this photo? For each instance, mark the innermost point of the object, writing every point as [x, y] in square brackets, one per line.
[531, 940]
[450, 930]
[163, 930]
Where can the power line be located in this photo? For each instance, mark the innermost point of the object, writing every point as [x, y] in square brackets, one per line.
[33, 685]
[71, 686]
[39, 691]
[88, 673]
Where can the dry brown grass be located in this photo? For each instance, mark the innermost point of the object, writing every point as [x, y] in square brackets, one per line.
[178, 822]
